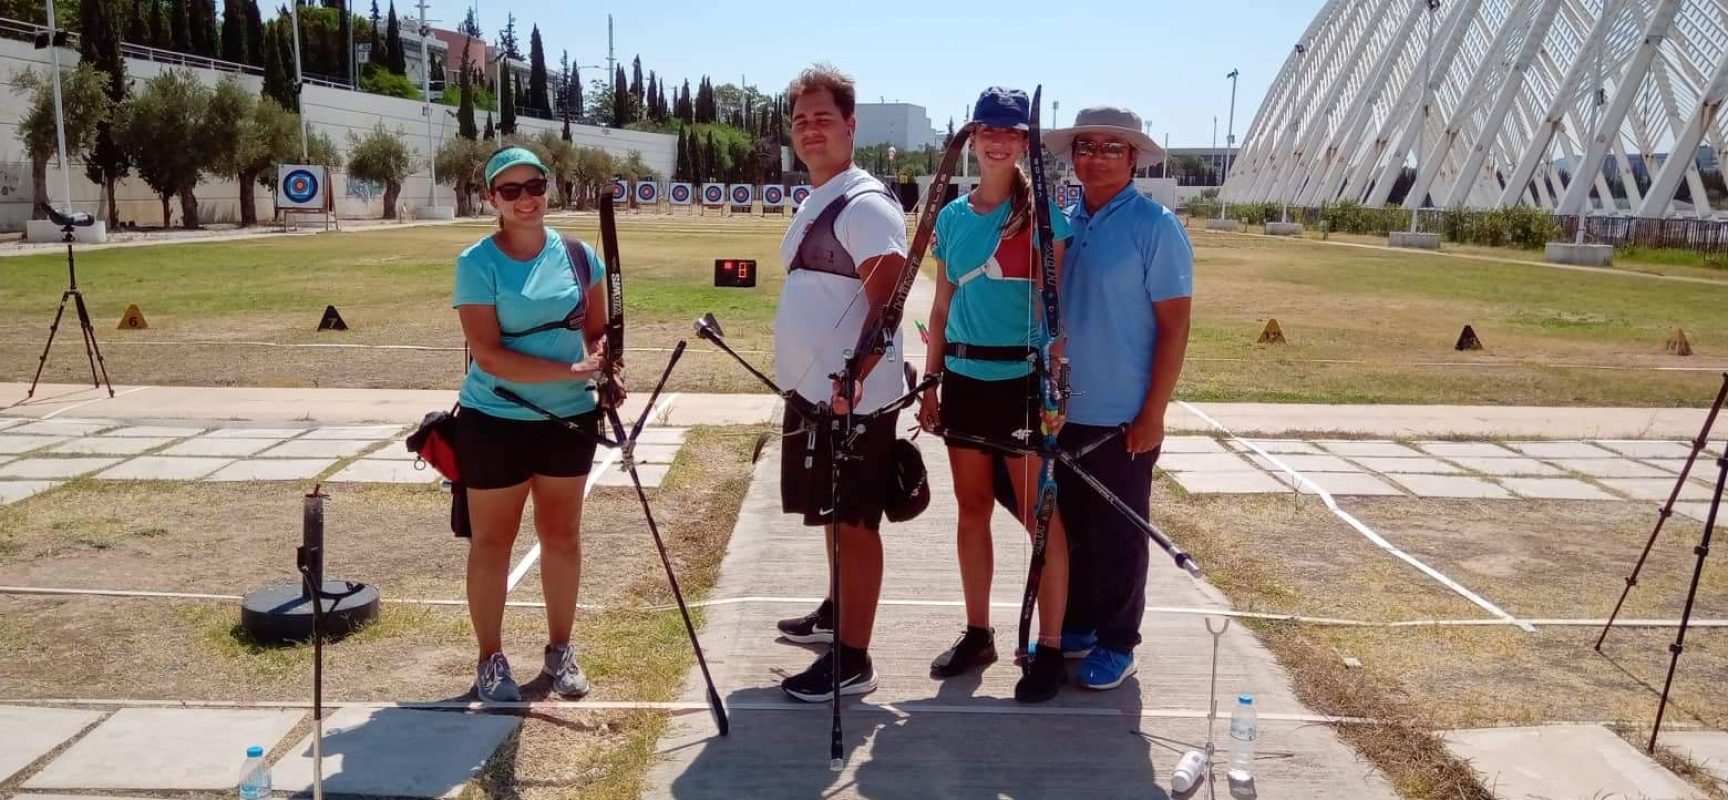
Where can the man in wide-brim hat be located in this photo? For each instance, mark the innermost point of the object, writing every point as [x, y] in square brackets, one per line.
[1126, 286]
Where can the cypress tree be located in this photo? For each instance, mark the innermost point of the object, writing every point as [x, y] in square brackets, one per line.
[393, 41]
[233, 32]
[255, 46]
[537, 98]
[507, 106]
[180, 26]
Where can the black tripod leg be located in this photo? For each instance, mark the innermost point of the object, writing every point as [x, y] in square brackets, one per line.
[92, 351]
[53, 328]
[1703, 551]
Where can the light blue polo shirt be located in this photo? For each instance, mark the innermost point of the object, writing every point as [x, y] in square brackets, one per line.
[526, 294]
[1129, 255]
[1000, 305]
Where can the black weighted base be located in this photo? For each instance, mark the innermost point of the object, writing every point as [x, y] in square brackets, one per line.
[281, 614]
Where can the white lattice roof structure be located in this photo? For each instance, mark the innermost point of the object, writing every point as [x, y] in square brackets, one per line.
[1513, 97]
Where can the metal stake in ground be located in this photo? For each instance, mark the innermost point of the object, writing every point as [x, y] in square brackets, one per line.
[1668, 507]
[311, 564]
[69, 223]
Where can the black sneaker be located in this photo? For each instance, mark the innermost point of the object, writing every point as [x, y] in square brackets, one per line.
[816, 684]
[974, 649]
[1043, 678]
[816, 627]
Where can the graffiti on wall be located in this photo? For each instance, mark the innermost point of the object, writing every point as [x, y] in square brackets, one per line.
[363, 190]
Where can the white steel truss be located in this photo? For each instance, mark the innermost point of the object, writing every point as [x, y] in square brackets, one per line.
[1495, 103]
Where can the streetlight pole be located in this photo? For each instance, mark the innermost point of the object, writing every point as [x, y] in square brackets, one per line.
[59, 111]
[1229, 140]
[299, 82]
[1427, 102]
[426, 103]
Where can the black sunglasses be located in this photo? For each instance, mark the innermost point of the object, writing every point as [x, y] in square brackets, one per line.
[510, 192]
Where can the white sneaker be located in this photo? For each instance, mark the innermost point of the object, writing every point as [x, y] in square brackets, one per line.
[566, 674]
[492, 681]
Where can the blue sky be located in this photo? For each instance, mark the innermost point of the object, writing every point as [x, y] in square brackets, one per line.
[1165, 60]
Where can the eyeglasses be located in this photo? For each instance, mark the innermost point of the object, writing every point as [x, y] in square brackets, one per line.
[510, 192]
[1113, 151]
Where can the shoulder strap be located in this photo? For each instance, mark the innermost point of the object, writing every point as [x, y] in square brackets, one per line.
[579, 266]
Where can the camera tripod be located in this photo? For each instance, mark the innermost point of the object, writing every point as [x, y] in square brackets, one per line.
[92, 351]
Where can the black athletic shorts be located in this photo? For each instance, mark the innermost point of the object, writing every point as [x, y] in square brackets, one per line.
[864, 483]
[495, 453]
[993, 410]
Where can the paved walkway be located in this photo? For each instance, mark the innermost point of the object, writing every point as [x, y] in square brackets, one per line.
[916, 737]
[405, 406]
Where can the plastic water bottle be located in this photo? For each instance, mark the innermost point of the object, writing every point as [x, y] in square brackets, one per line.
[1244, 728]
[254, 775]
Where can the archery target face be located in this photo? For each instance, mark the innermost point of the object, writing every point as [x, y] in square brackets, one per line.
[680, 194]
[741, 194]
[713, 194]
[800, 194]
[773, 196]
[619, 192]
[647, 192]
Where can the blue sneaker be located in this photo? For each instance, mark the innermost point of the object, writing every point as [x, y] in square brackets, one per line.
[1078, 645]
[1105, 669]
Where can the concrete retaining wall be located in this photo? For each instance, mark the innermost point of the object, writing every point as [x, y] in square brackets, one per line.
[1583, 255]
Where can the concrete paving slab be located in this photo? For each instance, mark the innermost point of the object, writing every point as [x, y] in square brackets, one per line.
[1554, 761]
[396, 752]
[395, 450]
[1409, 466]
[1648, 449]
[279, 469]
[14, 491]
[155, 431]
[40, 468]
[108, 446]
[1555, 489]
[1672, 466]
[1369, 449]
[1191, 445]
[1657, 489]
[1280, 446]
[166, 749]
[211, 446]
[1228, 482]
[1343, 484]
[379, 470]
[254, 433]
[1451, 486]
[1465, 449]
[1708, 749]
[164, 468]
[7, 422]
[1608, 467]
[655, 453]
[732, 409]
[651, 475]
[19, 445]
[1560, 450]
[31, 733]
[1506, 466]
[1306, 463]
[64, 427]
[1202, 462]
[660, 434]
[1698, 511]
[371, 432]
[306, 447]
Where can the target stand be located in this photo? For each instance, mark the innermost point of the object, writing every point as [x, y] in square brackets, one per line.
[304, 189]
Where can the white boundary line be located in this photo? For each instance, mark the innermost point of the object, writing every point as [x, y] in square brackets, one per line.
[45, 591]
[117, 395]
[594, 475]
[1363, 529]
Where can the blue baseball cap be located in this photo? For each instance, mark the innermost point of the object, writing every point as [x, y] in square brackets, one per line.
[1003, 108]
[510, 157]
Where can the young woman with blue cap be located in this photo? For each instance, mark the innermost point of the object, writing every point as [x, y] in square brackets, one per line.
[533, 312]
[984, 327]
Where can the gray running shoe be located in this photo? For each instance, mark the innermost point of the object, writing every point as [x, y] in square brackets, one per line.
[566, 674]
[492, 681]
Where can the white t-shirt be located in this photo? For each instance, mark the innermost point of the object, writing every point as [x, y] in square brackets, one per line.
[822, 314]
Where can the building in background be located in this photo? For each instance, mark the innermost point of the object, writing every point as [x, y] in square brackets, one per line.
[903, 125]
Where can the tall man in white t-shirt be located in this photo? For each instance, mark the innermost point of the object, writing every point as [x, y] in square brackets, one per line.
[843, 253]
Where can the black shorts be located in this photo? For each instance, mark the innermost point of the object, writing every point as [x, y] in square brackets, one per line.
[864, 483]
[993, 410]
[494, 453]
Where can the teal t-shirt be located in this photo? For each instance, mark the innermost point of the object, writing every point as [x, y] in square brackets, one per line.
[526, 294]
[1000, 304]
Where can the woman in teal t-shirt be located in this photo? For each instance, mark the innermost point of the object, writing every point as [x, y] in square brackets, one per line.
[984, 328]
[534, 313]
